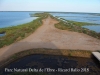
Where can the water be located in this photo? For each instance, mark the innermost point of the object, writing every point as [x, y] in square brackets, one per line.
[2, 34]
[94, 28]
[82, 17]
[15, 18]
[55, 62]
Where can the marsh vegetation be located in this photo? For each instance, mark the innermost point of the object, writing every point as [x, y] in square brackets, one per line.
[16, 33]
[77, 27]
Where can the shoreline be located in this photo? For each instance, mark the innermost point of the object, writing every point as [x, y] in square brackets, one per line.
[21, 31]
[47, 37]
[75, 26]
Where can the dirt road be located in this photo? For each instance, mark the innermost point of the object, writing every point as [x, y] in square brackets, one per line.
[47, 36]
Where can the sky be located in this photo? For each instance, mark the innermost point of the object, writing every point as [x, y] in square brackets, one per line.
[92, 6]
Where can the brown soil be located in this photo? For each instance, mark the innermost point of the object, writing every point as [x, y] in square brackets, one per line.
[47, 36]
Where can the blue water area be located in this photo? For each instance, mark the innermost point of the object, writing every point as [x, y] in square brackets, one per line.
[2, 35]
[94, 28]
[82, 17]
[15, 18]
[87, 66]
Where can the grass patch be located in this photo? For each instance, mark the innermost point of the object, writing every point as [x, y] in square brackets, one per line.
[19, 32]
[2, 32]
[43, 15]
[16, 33]
[81, 23]
[76, 26]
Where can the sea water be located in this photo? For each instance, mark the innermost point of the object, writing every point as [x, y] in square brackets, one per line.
[15, 18]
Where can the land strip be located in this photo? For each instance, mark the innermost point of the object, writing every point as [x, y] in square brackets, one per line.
[47, 36]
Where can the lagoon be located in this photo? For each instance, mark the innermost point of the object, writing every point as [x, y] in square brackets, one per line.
[8, 19]
[82, 17]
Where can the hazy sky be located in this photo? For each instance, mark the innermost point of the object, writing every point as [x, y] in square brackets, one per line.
[51, 5]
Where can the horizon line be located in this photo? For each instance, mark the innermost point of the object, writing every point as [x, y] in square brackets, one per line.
[52, 11]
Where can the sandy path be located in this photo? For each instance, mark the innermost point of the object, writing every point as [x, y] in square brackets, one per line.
[47, 36]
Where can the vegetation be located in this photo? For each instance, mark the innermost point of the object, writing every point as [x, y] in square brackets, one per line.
[19, 32]
[43, 15]
[16, 33]
[76, 26]
[77, 23]
[2, 32]
[81, 23]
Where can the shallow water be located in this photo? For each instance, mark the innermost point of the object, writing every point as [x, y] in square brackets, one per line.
[2, 35]
[94, 28]
[82, 17]
[15, 18]
[55, 62]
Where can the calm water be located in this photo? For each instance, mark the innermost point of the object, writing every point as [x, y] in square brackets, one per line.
[81, 17]
[14, 18]
[2, 35]
[95, 28]
[55, 62]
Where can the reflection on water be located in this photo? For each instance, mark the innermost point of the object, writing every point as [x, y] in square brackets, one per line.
[55, 62]
[2, 34]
